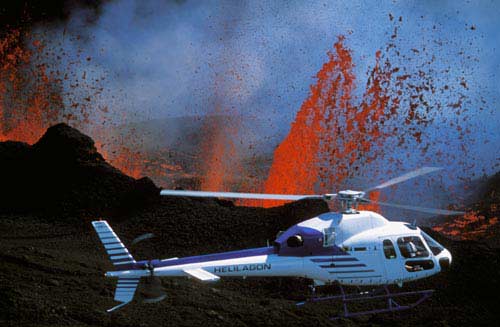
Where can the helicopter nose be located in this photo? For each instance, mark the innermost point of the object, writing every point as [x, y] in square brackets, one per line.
[445, 260]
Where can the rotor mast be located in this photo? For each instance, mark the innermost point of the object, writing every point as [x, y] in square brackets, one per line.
[349, 200]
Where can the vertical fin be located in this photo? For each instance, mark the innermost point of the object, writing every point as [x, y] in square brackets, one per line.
[117, 252]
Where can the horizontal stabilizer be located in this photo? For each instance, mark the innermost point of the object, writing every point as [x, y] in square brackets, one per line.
[201, 274]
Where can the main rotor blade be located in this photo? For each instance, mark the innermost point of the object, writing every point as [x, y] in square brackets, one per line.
[405, 177]
[415, 208]
[237, 195]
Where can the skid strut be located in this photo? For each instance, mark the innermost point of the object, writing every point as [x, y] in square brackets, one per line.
[383, 293]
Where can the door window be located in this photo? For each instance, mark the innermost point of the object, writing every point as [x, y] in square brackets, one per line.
[389, 250]
[329, 236]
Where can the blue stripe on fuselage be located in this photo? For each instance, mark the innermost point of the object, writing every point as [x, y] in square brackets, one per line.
[330, 259]
[212, 257]
[342, 266]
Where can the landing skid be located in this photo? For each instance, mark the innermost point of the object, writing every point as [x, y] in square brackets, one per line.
[382, 293]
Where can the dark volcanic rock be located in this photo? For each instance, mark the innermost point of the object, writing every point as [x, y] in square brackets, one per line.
[14, 152]
[36, 256]
[63, 145]
[483, 213]
[64, 174]
[489, 197]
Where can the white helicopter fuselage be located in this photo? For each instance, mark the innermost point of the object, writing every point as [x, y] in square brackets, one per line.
[360, 248]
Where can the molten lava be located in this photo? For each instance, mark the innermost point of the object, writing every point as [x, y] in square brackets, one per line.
[332, 135]
[28, 99]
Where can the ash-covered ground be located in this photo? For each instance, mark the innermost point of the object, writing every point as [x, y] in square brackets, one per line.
[52, 264]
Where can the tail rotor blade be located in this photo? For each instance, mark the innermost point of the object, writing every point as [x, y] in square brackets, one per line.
[156, 299]
[405, 177]
[142, 238]
[416, 208]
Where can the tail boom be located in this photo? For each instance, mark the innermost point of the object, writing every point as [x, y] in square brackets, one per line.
[207, 268]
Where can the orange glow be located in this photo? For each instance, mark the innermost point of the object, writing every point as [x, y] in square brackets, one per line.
[374, 196]
[470, 226]
[124, 159]
[27, 94]
[217, 151]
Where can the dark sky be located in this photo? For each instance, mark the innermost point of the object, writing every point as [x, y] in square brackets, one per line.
[23, 13]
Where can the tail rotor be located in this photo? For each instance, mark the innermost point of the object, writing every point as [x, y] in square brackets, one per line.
[151, 289]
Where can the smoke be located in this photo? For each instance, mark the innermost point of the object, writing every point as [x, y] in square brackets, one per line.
[141, 61]
[162, 58]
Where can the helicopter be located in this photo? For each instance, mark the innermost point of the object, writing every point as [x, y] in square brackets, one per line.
[347, 248]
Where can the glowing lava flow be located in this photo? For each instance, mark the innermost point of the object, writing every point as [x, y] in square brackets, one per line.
[469, 227]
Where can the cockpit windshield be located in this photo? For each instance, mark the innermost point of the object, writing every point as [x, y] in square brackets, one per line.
[435, 247]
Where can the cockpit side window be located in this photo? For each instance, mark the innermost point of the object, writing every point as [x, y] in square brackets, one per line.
[412, 247]
[435, 247]
[389, 250]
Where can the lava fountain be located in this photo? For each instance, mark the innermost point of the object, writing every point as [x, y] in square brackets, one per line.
[332, 136]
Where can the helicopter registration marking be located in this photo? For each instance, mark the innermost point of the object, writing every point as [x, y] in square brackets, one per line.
[237, 268]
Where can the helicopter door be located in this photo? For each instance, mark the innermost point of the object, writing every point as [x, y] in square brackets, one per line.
[391, 262]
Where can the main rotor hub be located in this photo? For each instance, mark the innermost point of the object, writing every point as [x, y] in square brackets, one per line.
[349, 200]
